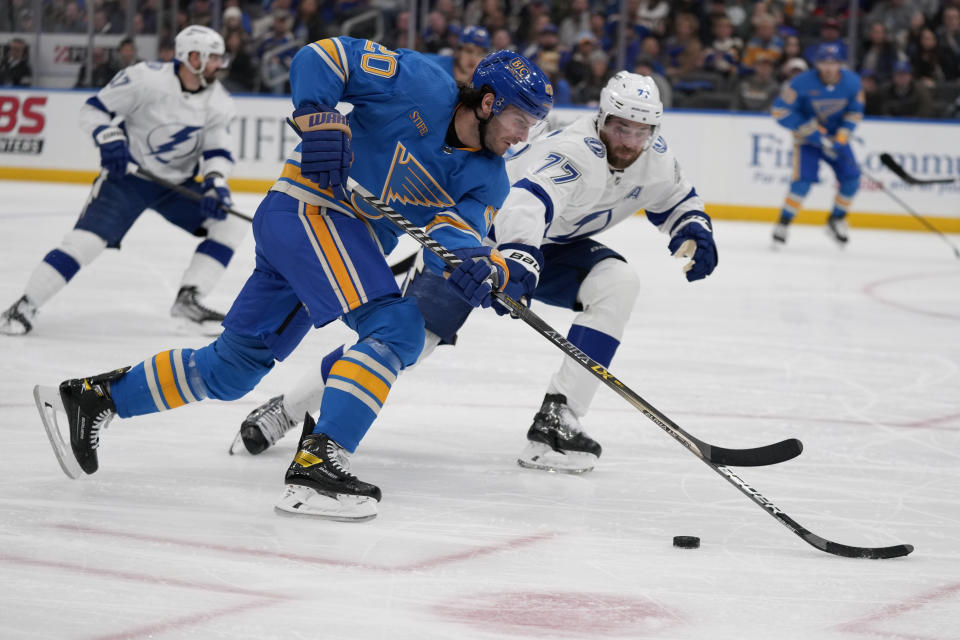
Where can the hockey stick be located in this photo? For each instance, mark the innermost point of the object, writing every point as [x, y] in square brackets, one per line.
[906, 207]
[404, 265]
[759, 456]
[714, 457]
[183, 191]
[898, 169]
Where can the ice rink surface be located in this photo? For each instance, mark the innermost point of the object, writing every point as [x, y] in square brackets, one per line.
[856, 352]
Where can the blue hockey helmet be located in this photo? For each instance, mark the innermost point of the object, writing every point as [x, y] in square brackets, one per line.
[828, 51]
[475, 35]
[515, 81]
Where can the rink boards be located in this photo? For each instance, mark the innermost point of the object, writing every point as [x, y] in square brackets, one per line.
[741, 164]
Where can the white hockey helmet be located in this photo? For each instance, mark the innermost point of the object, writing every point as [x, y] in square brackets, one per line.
[204, 41]
[632, 96]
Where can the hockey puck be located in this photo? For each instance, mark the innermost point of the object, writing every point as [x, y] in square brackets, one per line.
[686, 542]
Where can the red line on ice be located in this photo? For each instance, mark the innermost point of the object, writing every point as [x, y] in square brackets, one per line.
[865, 624]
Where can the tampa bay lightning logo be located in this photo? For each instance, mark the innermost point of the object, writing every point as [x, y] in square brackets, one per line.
[170, 142]
[660, 146]
[596, 146]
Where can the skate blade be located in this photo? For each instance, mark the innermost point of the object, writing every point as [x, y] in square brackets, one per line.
[304, 501]
[48, 403]
[541, 457]
[237, 442]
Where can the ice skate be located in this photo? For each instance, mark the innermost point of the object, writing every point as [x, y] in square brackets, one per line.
[557, 441]
[263, 427]
[319, 482]
[88, 407]
[187, 307]
[837, 230]
[780, 235]
[18, 319]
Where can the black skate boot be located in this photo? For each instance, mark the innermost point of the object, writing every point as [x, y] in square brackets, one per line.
[319, 482]
[264, 426]
[837, 230]
[187, 306]
[89, 408]
[18, 319]
[557, 442]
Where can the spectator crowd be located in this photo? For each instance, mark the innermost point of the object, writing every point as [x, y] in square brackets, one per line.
[732, 54]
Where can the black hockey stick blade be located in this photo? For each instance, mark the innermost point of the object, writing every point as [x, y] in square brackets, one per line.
[757, 457]
[869, 553]
[401, 268]
[901, 173]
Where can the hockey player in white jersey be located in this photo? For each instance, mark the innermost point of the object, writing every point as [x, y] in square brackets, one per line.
[170, 119]
[566, 186]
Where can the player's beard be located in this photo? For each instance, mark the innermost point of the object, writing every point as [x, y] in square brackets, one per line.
[619, 156]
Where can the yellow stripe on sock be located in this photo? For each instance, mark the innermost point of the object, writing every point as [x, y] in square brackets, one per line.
[362, 378]
[168, 384]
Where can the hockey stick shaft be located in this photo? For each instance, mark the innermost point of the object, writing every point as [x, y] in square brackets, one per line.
[909, 210]
[183, 191]
[770, 454]
[705, 452]
[901, 173]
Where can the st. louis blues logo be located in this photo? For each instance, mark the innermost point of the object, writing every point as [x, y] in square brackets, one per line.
[408, 183]
[171, 142]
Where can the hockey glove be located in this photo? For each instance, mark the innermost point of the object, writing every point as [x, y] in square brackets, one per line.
[692, 237]
[216, 197]
[818, 139]
[114, 153]
[483, 269]
[523, 263]
[325, 155]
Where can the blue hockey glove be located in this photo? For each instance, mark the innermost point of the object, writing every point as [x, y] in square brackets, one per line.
[692, 237]
[216, 197]
[325, 155]
[114, 153]
[482, 270]
[818, 139]
[523, 263]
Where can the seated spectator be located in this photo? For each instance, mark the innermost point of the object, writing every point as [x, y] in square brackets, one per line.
[275, 52]
[473, 46]
[872, 102]
[72, 21]
[127, 53]
[829, 34]
[949, 34]
[895, 16]
[904, 96]
[531, 19]
[757, 91]
[765, 41]
[103, 70]
[435, 35]
[929, 60]
[201, 13]
[547, 49]
[653, 14]
[576, 21]
[165, 50]
[683, 48]
[241, 71]
[309, 26]
[588, 92]
[879, 54]
[576, 63]
[502, 40]
[15, 68]
[724, 53]
[233, 10]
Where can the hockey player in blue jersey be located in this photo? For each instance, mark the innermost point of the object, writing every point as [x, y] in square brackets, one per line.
[429, 148]
[169, 118]
[822, 107]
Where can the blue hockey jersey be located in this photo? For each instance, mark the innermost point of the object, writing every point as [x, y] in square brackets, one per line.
[402, 107]
[806, 105]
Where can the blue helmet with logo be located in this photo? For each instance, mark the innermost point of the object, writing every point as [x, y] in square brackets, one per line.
[515, 81]
[828, 51]
[475, 35]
